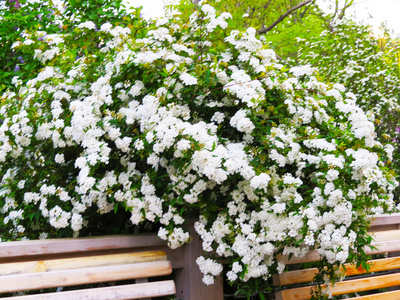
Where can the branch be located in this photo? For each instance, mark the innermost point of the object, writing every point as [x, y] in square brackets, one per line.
[345, 7]
[266, 6]
[320, 14]
[304, 12]
[282, 17]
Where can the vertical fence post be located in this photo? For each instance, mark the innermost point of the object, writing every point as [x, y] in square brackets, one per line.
[188, 280]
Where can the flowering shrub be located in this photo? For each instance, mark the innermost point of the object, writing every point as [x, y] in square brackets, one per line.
[178, 119]
[17, 17]
[367, 66]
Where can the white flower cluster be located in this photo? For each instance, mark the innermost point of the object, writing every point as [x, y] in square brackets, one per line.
[270, 163]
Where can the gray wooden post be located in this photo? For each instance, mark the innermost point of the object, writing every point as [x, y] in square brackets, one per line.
[188, 280]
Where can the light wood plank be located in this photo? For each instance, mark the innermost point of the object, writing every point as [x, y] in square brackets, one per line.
[70, 245]
[381, 296]
[385, 219]
[385, 236]
[23, 282]
[306, 275]
[345, 287]
[382, 247]
[80, 262]
[132, 291]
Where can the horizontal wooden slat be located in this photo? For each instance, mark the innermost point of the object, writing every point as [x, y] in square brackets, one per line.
[384, 236]
[132, 291]
[385, 219]
[394, 295]
[386, 241]
[345, 287]
[306, 275]
[80, 262]
[53, 246]
[22, 282]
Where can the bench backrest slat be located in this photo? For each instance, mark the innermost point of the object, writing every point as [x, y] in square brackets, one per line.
[380, 220]
[32, 281]
[393, 295]
[306, 275]
[132, 291]
[54, 246]
[346, 287]
[80, 262]
[385, 241]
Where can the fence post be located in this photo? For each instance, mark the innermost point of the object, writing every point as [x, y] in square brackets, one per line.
[188, 280]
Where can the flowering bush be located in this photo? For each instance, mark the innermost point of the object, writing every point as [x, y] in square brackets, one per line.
[18, 17]
[368, 67]
[180, 118]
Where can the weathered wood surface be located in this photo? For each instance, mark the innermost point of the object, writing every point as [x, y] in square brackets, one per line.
[132, 291]
[385, 241]
[345, 287]
[70, 245]
[394, 295]
[42, 280]
[306, 275]
[188, 280]
[80, 262]
[55, 254]
[380, 220]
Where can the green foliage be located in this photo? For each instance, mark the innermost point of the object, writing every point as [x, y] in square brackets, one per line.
[304, 22]
[158, 122]
[20, 18]
[367, 66]
[16, 19]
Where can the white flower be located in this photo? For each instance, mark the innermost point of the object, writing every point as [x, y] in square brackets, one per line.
[88, 25]
[218, 117]
[241, 122]
[188, 79]
[28, 42]
[302, 70]
[106, 27]
[332, 175]
[59, 158]
[48, 72]
[261, 181]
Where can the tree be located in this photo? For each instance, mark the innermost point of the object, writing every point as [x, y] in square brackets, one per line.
[280, 22]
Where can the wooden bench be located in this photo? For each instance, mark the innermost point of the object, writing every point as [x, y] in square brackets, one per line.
[28, 265]
[386, 234]
[60, 263]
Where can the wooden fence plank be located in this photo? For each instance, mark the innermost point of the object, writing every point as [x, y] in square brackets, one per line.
[32, 281]
[385, 219]
[384, 236]
[381, 296]
[132, 291]
[345, 287]
[382, 247]
[300, 276]
[80, 262]
[53, 246]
